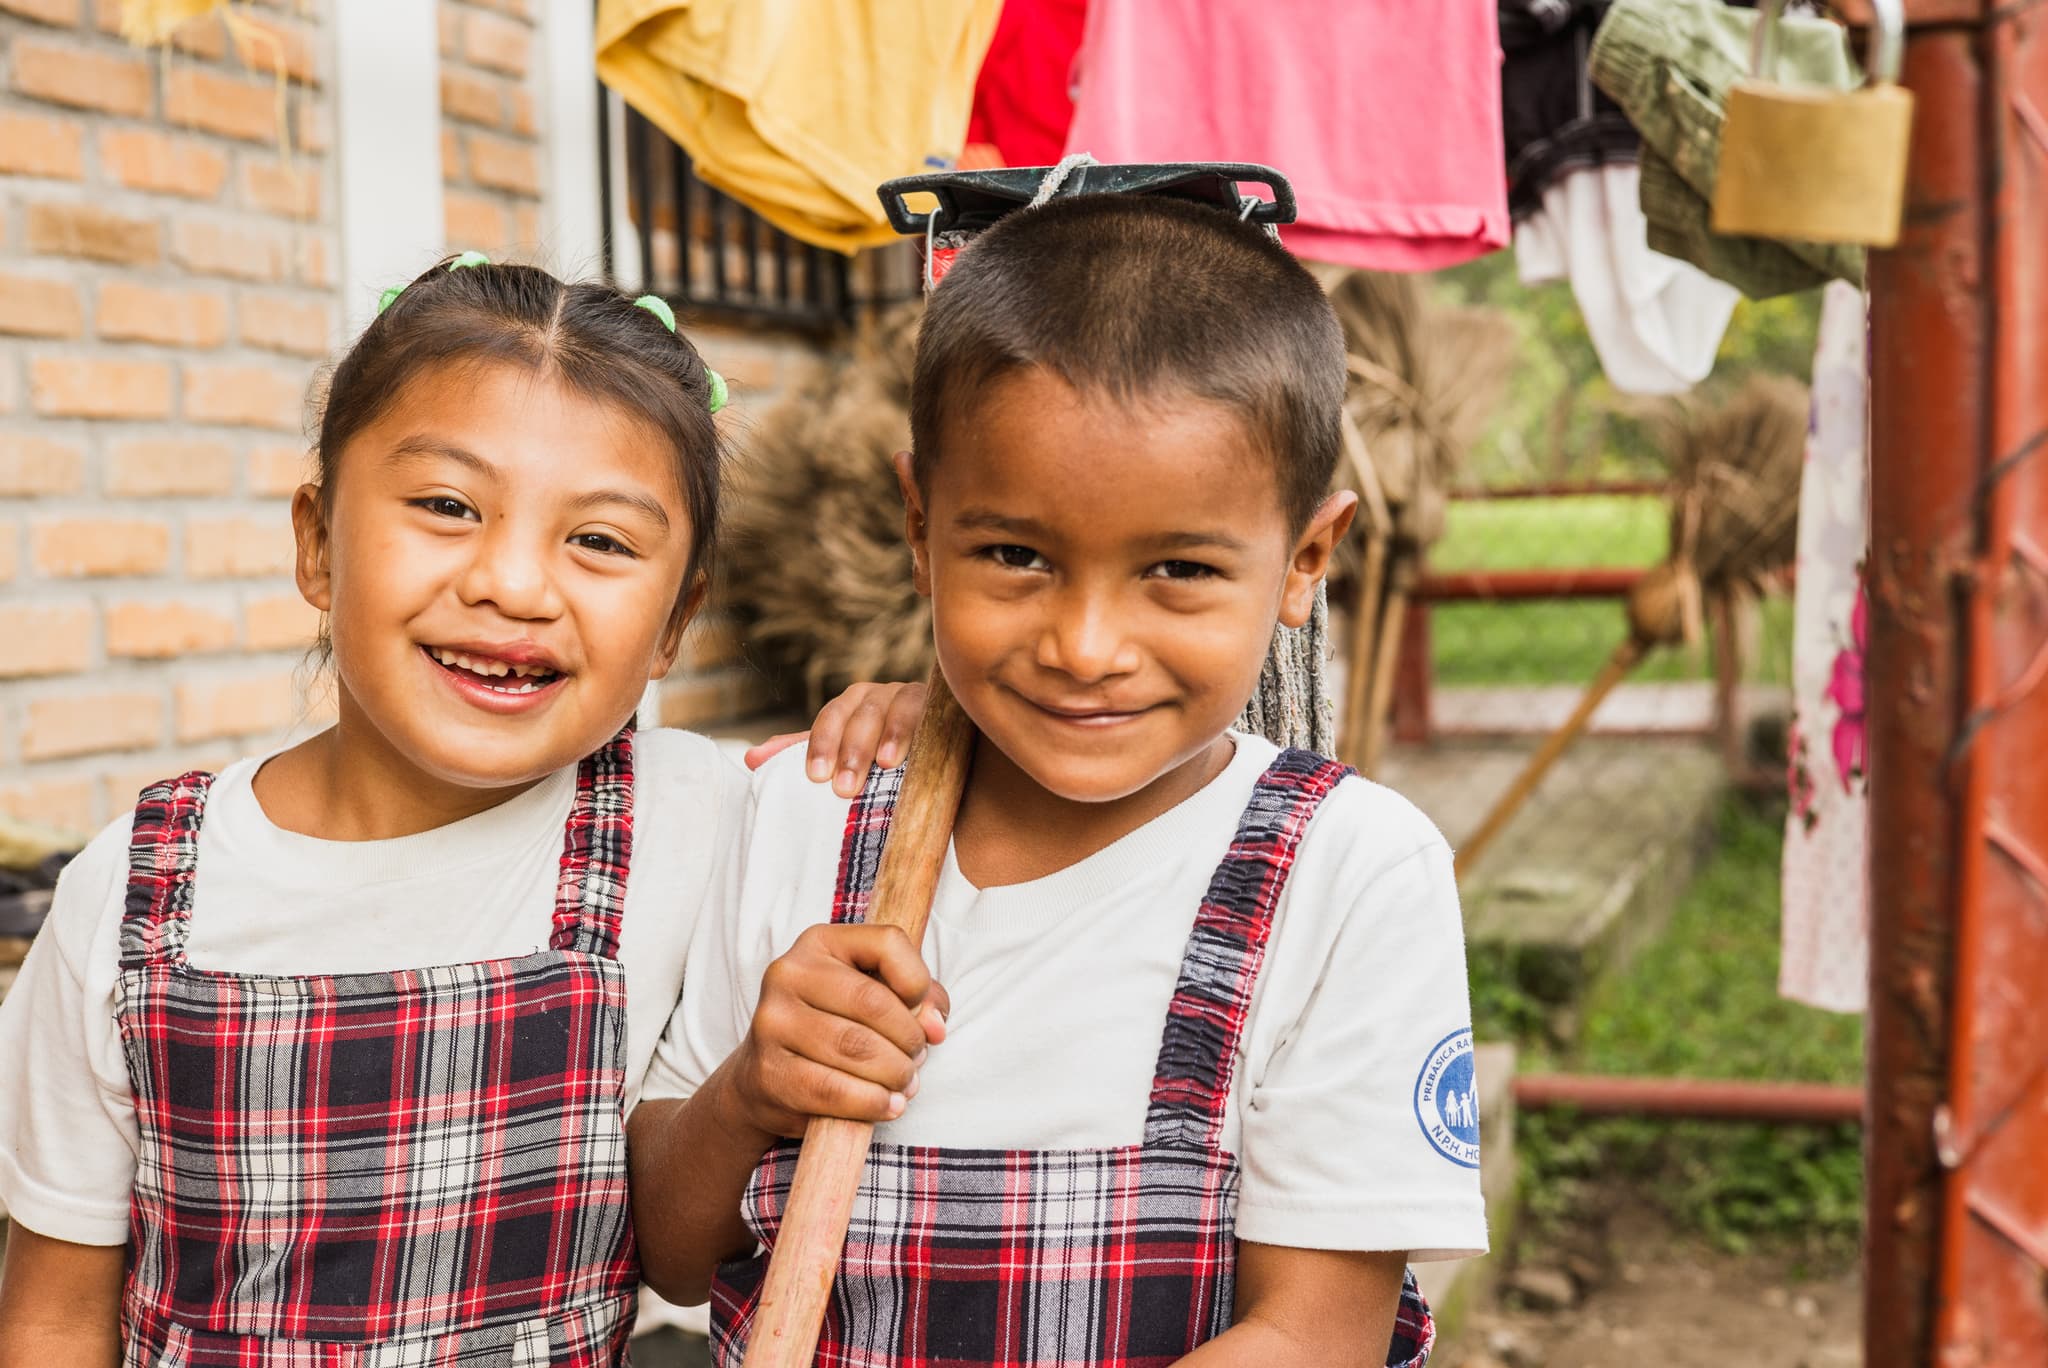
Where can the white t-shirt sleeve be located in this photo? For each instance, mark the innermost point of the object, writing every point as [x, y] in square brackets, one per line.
[67, 1113]
[1335, 1149]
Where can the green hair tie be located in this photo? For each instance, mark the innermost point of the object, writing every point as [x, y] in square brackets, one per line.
[471, 258]
[659, 307]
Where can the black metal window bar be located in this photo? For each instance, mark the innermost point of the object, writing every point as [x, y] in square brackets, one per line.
[708, 254]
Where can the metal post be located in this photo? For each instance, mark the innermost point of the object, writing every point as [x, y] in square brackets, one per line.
[1957, 1251]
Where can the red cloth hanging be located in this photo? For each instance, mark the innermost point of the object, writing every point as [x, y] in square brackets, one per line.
[1023, 101]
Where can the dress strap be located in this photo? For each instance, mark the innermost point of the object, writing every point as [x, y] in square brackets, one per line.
[1198, 1054]
[163, 855]
[860, 854]
[597, 851]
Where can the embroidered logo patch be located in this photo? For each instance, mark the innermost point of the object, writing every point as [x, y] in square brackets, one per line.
[1447, 1099]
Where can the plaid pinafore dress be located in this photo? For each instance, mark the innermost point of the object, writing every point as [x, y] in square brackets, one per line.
[1123, 1257]
[410, 1169]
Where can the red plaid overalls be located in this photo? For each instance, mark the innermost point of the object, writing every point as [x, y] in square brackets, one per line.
[410, 1169]
[1123, 1258]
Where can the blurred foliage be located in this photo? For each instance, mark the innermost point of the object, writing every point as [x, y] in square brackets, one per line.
[1702, 1002]
[1562, 420]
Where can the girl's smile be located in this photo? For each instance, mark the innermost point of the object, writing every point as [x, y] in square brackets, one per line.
[501, 559]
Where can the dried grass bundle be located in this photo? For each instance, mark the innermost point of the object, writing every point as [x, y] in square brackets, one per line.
[1735, 469]
[816, 565]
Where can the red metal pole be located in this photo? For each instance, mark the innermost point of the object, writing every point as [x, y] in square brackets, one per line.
[1957, 1253]
[1591, 582]
[1695, 1098]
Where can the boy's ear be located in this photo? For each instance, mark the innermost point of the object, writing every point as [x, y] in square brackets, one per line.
[915, 530]
[672, 639]
[1312, 554]
[309, 562]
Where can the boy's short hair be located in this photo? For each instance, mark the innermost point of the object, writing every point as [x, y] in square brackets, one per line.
[1132, 296]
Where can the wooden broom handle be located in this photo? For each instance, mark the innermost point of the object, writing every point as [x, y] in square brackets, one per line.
[828, 1170]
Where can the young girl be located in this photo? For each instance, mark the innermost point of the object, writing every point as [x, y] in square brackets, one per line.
[340, 1042]
[1203, 1084]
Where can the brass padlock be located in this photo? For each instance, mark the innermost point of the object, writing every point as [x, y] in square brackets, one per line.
[1817, 165]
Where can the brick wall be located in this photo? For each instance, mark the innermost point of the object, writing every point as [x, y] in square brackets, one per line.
[166, 290]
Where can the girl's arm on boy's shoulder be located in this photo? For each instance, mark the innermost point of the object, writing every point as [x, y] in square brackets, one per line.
[869, 724]
[1308, 1308]
[59, 1302]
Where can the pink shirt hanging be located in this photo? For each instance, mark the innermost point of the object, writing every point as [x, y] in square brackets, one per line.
[1385, 114]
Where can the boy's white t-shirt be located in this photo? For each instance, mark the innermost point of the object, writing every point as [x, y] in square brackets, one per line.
[270, 901]
[1060, 988]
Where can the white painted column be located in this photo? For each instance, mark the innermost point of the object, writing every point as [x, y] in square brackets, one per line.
[387, 91]
[572, 231]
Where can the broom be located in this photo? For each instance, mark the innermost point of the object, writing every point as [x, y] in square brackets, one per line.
[1734, 523]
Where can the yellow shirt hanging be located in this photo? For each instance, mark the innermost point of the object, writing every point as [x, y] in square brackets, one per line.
[800, 108]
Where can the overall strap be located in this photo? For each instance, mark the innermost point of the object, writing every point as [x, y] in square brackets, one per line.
[860, 854]
[1197, 1056]
[597, 851]
[163, 857]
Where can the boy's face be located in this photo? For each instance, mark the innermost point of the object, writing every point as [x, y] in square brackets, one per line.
[1105, 577]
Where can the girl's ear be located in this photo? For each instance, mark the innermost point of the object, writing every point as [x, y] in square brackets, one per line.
[1312, 554]
[309, 565]
[916, 530]
[672, 640]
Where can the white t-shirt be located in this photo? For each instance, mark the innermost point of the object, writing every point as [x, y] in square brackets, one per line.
[270, 901]
[1060, 989]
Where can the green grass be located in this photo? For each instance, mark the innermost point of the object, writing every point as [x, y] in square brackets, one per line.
[1557, 641]
[1703, 1003]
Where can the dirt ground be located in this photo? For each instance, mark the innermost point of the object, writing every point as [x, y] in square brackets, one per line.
[1642, 1298]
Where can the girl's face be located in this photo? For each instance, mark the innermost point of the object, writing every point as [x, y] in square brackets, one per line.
[500, 561]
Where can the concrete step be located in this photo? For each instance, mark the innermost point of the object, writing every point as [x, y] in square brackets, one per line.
[1590, 868]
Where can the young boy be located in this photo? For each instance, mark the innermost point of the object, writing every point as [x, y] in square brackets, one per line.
[1201, 1086]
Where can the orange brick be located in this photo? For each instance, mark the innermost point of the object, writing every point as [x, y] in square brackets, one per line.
[50, 639]
[34, 307]
[451, 157]
[236, 707]
[523, 121]
[145, 159]
[63, 74]
[90, 724]
[290, 189]
[503, 165]
[203, 35]
[451, 31]
[240, 253]
[526, 228]
[62, 804]
[279, 622]
[62, 13]
[315, 261]
[472, 99]
[497, 44]
[148, 467]
[279, 470]
[176, 318]
[31, 145]
[81, 547]
[161, 629]
[745, 369]
[710, 644]
[32, 466]
[475, 222]
[72, 387]
[280, 323]
[238, 548]
[244, 396]
[271, 45]
[80, 230]
[232, 106]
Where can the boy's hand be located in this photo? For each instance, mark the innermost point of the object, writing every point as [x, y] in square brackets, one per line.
[869, 724]
[843, 1024]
